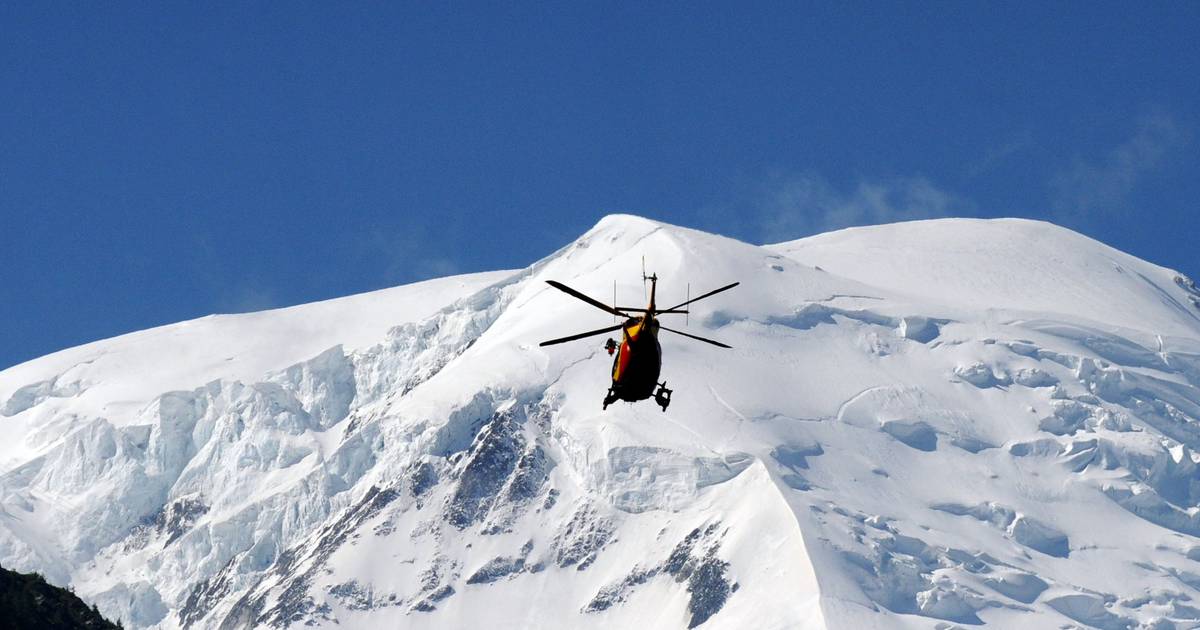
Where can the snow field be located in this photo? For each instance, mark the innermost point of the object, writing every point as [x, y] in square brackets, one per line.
[920, 425]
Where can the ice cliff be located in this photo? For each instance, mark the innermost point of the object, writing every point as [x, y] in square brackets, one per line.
[921, 425]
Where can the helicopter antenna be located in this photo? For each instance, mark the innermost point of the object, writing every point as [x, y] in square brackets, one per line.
[644, 294]
[687, 316]
[614, 300]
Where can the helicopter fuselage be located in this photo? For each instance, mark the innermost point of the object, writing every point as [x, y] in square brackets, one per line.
[638, 361]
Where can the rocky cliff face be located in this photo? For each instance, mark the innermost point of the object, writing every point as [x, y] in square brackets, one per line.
[874, 452]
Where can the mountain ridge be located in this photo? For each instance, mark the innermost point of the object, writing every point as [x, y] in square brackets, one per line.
[916, 249]
[866, 456]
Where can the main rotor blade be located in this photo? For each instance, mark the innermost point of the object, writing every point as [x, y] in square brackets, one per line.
[715, 343]
[581, 335]
[646, 310]
[713, 292]
[597, 303]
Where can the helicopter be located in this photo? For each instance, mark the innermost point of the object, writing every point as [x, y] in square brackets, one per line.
[638, 359]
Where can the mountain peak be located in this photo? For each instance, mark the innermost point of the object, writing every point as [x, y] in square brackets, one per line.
[917, 424]
[1018, 265]
[961, 228]
[624, 221]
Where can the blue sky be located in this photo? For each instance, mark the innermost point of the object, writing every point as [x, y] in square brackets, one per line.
[163, 161]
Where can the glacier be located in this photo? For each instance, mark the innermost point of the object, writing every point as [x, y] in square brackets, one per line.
[931, 424]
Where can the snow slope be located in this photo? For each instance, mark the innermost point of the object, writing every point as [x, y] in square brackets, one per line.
[118, 376]
[1009, 264]
[920, 425]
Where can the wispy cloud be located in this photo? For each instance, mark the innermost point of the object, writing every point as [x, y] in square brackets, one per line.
[1001, 153]
[1090, 190]
[801, 205]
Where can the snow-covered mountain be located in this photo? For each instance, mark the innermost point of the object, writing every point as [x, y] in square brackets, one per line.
[920, 425]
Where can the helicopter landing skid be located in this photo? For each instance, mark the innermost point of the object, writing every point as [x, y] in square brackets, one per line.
[609, 398]
[663, 395]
